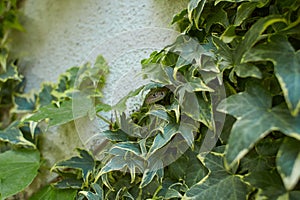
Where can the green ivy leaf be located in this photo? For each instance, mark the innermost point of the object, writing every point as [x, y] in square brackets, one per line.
[286, 64]
[268, 181]
[217, 15]
[51, 193]
[179, 16]
[255, 119]
[243, 12]
[84, 162]
[291, 195]
[17, 170]
[66, 111]
[261, 2]
[288, 162]
[13, 135]
[262, 157]
[218, 183]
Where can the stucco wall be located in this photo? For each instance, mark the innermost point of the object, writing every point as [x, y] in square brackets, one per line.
[62, 33]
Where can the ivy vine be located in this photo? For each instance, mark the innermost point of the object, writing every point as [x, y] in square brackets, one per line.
[250, 48]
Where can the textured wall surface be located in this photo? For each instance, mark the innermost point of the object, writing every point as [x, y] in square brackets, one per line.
[65, 33]
[62, 33]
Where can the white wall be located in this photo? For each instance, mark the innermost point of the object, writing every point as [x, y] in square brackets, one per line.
[62, 33]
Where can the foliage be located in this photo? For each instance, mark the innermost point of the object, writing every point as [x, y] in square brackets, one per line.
[250, 48]
[18, 136]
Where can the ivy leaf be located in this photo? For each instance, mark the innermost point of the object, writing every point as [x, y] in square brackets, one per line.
[217, 16]
[69, 181]
[84, 162]
[261, 2]
[66, 111]
[173, 192]
[288, 162]
[180, 16]
[3, 58]
[218, 183]
[50, 193]
[126, 156]
[189, 168]
[185, 128]
[243, 12]
[21, 165]
[13, 135]
[115, 136]
[98, 195]
[286, 64]
[45, 97]
[195, 8]
[255, 119]
[155, 167]
[11, 73]
[24, 103]
[291, 195]
[268, 181]
[253, 35]
[189, 50]
[226, 57]
[196, 171]
[262, 157]
[232, 58]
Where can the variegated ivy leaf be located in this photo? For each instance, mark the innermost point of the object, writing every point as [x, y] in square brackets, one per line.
[11, 73]
[255, 119]
[218, 183]
[24, 103]
[186, 128]
[269, 183]
[3, 59]
[84, 162]
[155, 168]
[288, 162]
[195, 8]
[98, 195]
[290, 195]
[45, 97]
[126, 156]
[232, 57]
[13, 135]
[286, 64]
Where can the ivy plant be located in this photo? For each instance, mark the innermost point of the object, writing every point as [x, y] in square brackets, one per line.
[249, 48]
